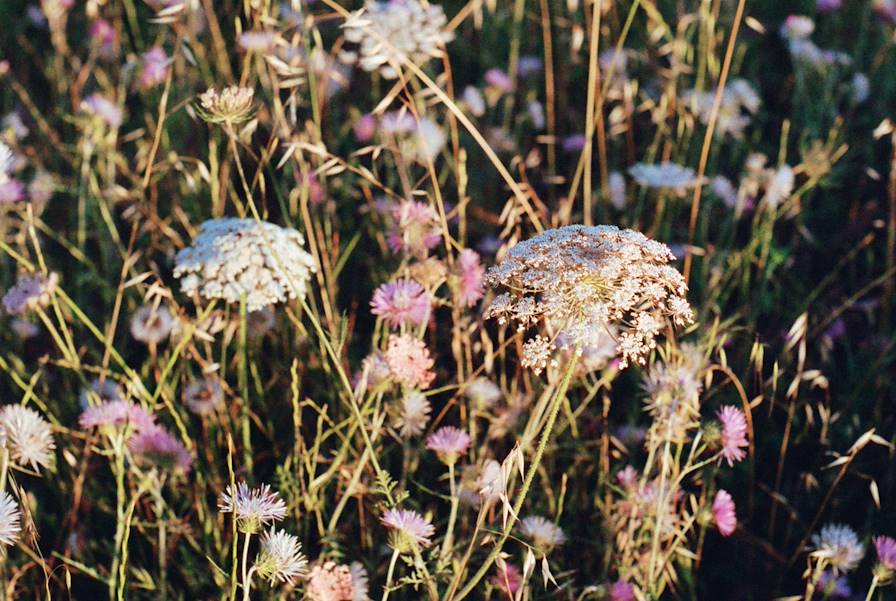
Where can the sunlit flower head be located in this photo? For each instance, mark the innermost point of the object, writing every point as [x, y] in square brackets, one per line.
[839, 547]
[28, 437]
[407, 529]
[409, 361]
[152, 324]
[155, 67]
[414, 416]
[10, 519]
[449, 443]
[280, 558]
[734, 434]
[664, 175]
[401, 302]
[232, 258]
[724, 513]
[389, 33]
[471, 277]
[582, 279]
[886, 558]
[329, 581]
[492, 481]
[29, 292]
[483, 393]
[231, 105]
[203, 396]
[252, 508]
[543, 533]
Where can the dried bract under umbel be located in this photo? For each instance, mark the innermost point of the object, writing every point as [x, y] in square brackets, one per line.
[582, 279]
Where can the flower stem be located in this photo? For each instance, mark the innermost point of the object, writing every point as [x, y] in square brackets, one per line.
[448, 542]
[871, 589]
[527, 483]
[389, 574]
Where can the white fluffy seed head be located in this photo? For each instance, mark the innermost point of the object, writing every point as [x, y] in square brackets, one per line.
[27, 436]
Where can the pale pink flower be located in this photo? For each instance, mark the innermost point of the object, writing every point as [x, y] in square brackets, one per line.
[472, 276]
[258, 41]
[508, 578]
[252, 507]
[886, 551]
[621, 591]
[409, 361]
[156, 446]
[117, 414]
[401, 302]
[104, 38]
[499, 79]
[723, 512]
[11, 191]
[415, 231]
[365, 127]
[30, 292]
[408, 528]
[329, 582]
[734, 434]
[100, 106]
[155, 67]
[544, 534]
[449, 443]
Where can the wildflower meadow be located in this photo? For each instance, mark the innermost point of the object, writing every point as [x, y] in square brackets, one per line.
[511, 300]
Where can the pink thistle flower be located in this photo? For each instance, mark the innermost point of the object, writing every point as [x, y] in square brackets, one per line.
[508, 579]
[330, 582]
[409, 361]
[472, 274]
[499, 79]
[449, 443]
[401, 302]
[156, 446]
[622, 591]
[627, 478]
[252, 507]
[734, 434]
[364, 128]
[104, 38]
[29, 292]
[415, 230]
[408, 528]
[155, 67]
[886, 551]
[100, 106]
[11, 191]
[723, 512]
[117, 414]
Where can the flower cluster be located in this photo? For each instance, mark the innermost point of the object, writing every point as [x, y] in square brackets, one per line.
[586, 279]
[236, 258]
[390, 33]
[739, 101]
[29, 292]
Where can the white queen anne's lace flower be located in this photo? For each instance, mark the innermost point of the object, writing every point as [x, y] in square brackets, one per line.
[583, 279]
[664, 175]
[232, 257]
[388, 32]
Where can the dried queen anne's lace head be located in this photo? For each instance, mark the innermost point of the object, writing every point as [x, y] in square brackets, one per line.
[390, 32]
[232, 257]
[584, 279]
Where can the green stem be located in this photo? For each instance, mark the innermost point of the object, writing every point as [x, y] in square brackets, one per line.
[527, 483]
[389, 574]
[448, 542]
[871, 589]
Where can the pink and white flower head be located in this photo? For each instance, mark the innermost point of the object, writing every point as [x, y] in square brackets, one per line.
[252, 508]
[621, 591]
[471, 278]
[724, 513]
[628, 478]
[116, 415]
[797, 27]
[839, 546]
[449, 443]
[329, 581]
[414, 416]
[734, 434]
[886, 9]
[10, 519]
[401, 303]
[415, 230]
[364, 128]
[104, 37]
[27, 436]
[499, 80]
[101, 107]
[409, 361]
[151, 324]
[408, 529]
[155, 446]
[258, 41]
[544, 534]
[886, 558]
[508, 578]
[11, 191]
[281, 558]
[155, 67]
[30, 292]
